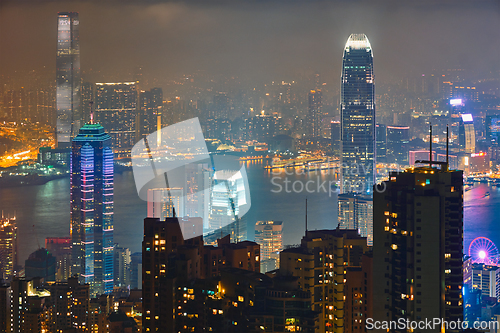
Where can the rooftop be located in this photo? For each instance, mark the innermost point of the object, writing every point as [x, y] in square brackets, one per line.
[358, 42]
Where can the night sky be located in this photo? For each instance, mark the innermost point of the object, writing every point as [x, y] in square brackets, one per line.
[256, 40]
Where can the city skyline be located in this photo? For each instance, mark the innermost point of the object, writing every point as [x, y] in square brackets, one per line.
[216, 175]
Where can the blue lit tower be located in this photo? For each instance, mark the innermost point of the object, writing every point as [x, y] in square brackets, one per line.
[67, 78]
[357, 103]
[92, 208]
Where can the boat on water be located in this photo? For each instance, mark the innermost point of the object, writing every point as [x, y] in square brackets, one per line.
[487, 194]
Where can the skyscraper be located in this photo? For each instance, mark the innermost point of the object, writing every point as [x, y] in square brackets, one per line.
[116, 110]
[320, 263]
[268, 234]
[151, 104]
[92, 208]
[418, 246]
[398, 140]
[466, 134]
[381, 142]
[67, 77]
[356, 212]
[357, 111]
[8, 248]
[315, 112]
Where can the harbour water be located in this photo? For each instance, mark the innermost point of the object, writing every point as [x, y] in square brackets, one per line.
[43, 210]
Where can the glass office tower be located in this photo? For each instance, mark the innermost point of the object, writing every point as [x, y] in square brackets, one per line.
[92, 208]
[67, 78]
[357, 105]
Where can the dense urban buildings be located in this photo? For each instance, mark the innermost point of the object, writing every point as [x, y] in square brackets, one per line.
[198, 269]
[418, 245]
[116, 111]
[357, 114]
[92, 208]
[68, 77]
[320, 264]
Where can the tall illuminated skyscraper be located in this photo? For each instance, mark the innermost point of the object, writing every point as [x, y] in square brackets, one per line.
[67, 77]
[315, 107]
[92, 208]
[357, 103]
[8, 248]
[268, 234]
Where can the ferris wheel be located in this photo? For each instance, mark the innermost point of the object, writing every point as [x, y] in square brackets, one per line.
[483, 250]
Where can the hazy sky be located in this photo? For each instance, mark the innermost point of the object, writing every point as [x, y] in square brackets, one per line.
[255, 38]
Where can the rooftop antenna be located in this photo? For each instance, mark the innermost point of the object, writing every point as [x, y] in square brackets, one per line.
[430, 145]
[447, 142]
[91, 103]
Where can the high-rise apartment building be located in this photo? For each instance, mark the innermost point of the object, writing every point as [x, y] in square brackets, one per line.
[320, 263]
[161, 240]
[8, 248]
[92, 208]
[121, 266]
[357, 112]
[70, 306]
[116, 111]
[315, 114]
[356, 212]
[68, 77]
[268, 234]
[418, 246]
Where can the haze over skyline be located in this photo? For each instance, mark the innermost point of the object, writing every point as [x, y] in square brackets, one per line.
[254, 40]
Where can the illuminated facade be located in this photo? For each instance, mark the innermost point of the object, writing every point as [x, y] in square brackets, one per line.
[483, 277]
[320, 264]
[356, 212]
[8, 248]
[418, 246]
[151, 105]
[357, 104]
[67, 78]
[162, 201]
[268, 234]
[92, 208]
[227, 198]
[116, 111]
[315, 112]
[466, 134]
[398, 139]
